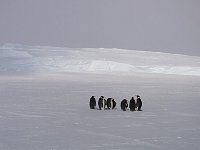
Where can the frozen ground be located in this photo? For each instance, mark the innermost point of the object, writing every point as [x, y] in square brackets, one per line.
[44, 95]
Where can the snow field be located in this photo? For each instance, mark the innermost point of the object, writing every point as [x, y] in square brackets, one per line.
[51, 111]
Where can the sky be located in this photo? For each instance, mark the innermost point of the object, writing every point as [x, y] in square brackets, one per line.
[171, 26]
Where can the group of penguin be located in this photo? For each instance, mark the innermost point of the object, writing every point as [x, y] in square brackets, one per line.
[134, 105]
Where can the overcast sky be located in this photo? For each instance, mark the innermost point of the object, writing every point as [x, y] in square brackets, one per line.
[156, 25]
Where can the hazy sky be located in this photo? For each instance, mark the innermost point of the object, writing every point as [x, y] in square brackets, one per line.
[157, 25]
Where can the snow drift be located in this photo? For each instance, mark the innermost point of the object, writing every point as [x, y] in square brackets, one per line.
[21, 58]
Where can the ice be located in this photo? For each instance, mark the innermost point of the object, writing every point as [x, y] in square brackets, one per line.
[19, 58]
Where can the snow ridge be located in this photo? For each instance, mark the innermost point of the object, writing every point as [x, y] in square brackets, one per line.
[21, 58]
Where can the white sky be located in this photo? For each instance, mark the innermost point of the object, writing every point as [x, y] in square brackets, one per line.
[156, 25]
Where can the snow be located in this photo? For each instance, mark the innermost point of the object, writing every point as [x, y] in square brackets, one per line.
[44, 95]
